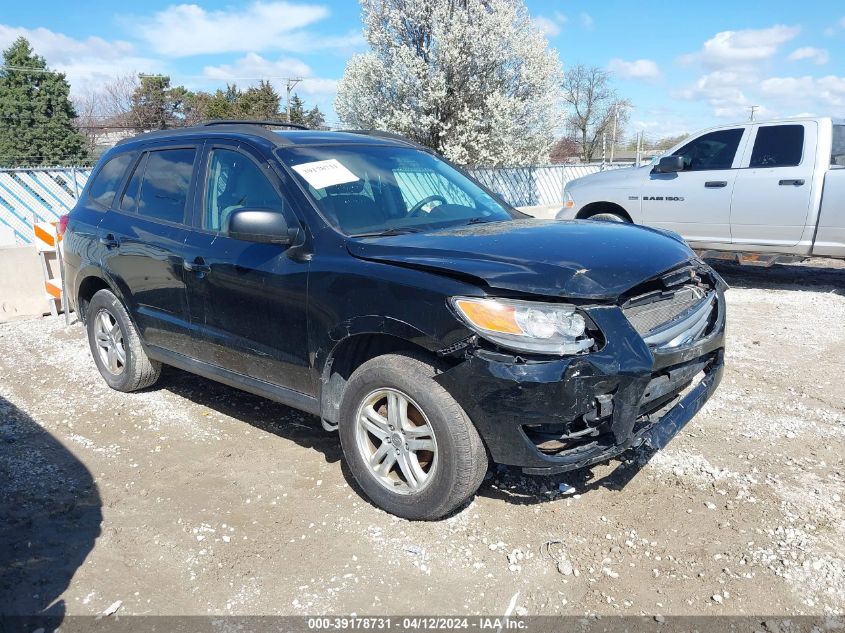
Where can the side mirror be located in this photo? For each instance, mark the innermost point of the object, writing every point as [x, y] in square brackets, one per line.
[670, 165]
[260, 225]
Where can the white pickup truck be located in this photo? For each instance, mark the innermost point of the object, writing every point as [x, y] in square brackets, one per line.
[758, 192]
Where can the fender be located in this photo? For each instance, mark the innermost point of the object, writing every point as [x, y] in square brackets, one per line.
[330, 391]
[94, 270]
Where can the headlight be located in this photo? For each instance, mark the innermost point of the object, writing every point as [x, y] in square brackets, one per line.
[547, 328]
[568, 201]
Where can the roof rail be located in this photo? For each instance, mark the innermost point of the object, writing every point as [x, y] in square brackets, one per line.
[295, 126]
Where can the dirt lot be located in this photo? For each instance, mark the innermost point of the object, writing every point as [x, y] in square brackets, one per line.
[195, 498]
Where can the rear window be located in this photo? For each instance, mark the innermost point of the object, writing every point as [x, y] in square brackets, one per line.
[163, 193]
[837, 154]
[105, 183]
[778, 146]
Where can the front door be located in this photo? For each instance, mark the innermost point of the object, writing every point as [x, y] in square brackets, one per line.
[773, 194]
[696, 202]
[247, 299]
[143, 237]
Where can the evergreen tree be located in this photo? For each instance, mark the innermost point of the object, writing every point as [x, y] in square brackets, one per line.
[297, 110]
[152, 108]
[315, 118]
[36, 112]
[312, 118]
[261, 102]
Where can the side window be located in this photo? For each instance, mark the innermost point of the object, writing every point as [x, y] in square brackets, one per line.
[778, 146]
[235, 182]
[715, 150]
[164, 186]
[129, 201]
[105, 183]
[837, 154]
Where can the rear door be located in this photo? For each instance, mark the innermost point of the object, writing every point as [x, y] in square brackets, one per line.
[144, 237]
[248, 300]
[773, 191]
[696, 202]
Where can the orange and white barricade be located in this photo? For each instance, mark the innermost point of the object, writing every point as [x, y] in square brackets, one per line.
[48, 246]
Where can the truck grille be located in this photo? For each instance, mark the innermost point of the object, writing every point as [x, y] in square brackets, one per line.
[673, 317]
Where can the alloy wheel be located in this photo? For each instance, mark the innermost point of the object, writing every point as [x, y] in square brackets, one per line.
[110, 344]
[396, 441]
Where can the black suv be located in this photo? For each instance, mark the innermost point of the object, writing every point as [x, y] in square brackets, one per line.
[361, 278]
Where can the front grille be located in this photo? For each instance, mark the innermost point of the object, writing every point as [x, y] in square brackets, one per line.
[674, 311]
[654, 311]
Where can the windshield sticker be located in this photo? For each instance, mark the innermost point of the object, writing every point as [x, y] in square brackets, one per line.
[325, 173]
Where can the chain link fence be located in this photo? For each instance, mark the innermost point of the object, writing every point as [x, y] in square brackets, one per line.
[44, 194]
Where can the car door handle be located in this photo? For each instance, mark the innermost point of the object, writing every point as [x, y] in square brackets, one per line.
[716, 184]
[197, 266]
[109, 241]
[796, 182]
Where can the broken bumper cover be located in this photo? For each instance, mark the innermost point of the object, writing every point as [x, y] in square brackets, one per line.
[552, 416]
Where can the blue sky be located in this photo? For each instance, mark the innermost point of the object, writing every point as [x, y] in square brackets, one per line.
[683, 65]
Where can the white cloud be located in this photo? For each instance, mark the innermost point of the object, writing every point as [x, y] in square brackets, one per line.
[187, 29]
[586, 20]
[58, 47]
[818, 56]
[729, 48]
[547, 26]
[824, 92]
[86, 62]
[637, 69]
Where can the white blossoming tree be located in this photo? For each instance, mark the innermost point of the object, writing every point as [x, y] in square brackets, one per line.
[472, 79]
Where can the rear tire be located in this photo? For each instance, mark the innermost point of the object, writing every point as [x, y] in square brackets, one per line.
[116, 346]
[395, 419]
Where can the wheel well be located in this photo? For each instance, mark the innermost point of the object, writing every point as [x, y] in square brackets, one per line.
[603, 207]
[87, 289]
[350, 354]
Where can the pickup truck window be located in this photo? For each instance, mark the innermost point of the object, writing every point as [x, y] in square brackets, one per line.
[715, 150]
[837, 154]
[778, 146]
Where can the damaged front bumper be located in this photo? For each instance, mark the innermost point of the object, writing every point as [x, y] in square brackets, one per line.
[552, 416]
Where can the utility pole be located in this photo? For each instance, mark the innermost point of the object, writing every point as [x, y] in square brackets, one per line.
[291, 84]
[603, 149]
[615, 122]
[639, 148]
[753, 109]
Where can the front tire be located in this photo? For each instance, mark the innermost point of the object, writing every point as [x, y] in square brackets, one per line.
[607, 217]
[116, 346]
[409, 444]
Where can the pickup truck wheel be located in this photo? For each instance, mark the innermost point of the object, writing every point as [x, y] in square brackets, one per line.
[116, 346]
[407, 442]
[607, 217]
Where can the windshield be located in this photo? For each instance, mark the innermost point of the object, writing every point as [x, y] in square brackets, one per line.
[370, 189]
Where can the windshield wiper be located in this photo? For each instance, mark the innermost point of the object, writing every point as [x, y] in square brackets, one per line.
[392, 230]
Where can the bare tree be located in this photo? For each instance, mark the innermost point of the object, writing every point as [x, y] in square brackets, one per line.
[593, 107]
[116, 99]
[87, 121]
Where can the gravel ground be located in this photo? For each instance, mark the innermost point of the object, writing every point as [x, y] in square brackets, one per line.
[195, 498]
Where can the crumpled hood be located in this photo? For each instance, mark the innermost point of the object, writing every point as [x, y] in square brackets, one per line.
[572, 259]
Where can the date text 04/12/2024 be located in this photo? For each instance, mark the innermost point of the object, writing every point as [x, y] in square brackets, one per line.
[420, 623]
